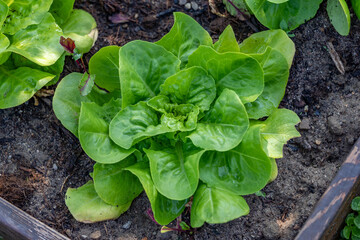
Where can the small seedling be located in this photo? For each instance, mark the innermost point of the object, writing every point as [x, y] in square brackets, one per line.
[352, 228]
[289, 14]
[88, 80]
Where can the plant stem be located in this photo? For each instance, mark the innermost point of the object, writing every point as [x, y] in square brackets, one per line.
[83, 64]
[237, 9]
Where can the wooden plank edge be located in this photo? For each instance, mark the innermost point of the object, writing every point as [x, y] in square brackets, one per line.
[330, 212]
[15, 224]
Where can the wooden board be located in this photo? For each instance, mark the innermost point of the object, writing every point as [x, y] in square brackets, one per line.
[328, 217]
[15, 224]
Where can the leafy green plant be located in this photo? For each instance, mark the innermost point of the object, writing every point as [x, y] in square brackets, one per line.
[190, 122]
[352, 228]
[30, 54]
[289, 14]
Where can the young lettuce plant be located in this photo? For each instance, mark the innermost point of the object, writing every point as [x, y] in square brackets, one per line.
[182, 119]
[289, 14]
[352, 228]
[30, 54]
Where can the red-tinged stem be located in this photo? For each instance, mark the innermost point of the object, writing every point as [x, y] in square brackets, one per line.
[83, 64]
[237, 9]
[78, 63]
[150, 213]
[244, 16]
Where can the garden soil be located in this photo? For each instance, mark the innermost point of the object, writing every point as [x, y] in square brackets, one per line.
[40, 159]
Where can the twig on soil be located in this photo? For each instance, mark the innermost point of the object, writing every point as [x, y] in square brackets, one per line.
[215, 10]
[63, 184]
[106, 229]
[335, 57]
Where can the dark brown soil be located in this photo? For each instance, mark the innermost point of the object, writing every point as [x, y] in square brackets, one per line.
[39, 159]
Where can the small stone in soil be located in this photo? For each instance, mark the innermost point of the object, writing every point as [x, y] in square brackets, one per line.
[95, 235]
[55, 167]
[127, 225]
[194, 6]
[335, 125]
[68, 232]
[306, 108]
[188, 6]
[305, 124]
[182, 2]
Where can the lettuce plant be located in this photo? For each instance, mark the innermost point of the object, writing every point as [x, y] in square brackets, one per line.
[30, 54]
[188, 121]
[289, 14]
[276, 14]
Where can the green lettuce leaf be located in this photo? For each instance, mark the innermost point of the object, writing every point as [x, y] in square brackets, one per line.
[165, 210]
[276, 74]
[134, 124]
[356, 6]
[84, 42]
[175, 172]
[87, 207]
[224, 126]
[287, 15]
[235, 71]
[114, 184]
[23, 13]
[55, 69]
[227, 41]
[243, 170]
[39, 43]
[274, 170]
[19, 85]
[84, 32]
[4, 10]
[67, 100]
[105, 65]
[192, 85]
[277, 130]
[93, 133]
[185, 37]
[4, 42]
[74, 25]
[144, 67]
[257, 43]
[214, 205]
[339, 15]
[61, 10]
